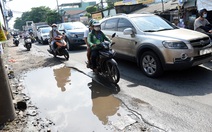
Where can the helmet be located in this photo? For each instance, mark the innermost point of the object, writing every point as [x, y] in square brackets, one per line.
[202, 11]
[96, 23]
[90, 23]
[54, 25]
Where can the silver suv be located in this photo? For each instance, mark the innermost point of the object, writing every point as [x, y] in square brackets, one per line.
[156, 44]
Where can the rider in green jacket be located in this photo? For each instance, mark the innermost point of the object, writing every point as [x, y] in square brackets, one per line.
[95, 37]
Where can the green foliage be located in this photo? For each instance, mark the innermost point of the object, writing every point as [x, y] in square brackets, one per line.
[110, 3]
[53, 17]
[37, 14]
[19, 23]
[91, 9]
[88, 15]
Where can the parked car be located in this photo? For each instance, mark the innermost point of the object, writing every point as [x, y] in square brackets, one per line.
[156, 44]
[74, 33]
[43, 35]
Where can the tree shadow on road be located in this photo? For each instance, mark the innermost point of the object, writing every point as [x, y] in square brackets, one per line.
[192, 81]
[51, 62]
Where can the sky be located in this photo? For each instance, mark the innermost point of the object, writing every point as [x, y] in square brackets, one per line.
[18, 6]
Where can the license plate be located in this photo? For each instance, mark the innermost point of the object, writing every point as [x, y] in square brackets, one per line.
[205, 51]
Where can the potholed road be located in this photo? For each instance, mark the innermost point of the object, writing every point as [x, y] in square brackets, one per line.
[179, 101]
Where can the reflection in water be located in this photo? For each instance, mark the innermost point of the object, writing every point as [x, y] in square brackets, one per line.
[62, 75]
[104, 104]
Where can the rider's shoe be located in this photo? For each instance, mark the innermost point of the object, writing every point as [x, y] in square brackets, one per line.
[95, 71]
[88, 64]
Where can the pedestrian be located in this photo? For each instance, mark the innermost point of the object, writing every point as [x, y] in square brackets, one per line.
[181, 23]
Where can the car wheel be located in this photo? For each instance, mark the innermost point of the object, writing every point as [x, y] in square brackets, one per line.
[42, 42]
[150, 64]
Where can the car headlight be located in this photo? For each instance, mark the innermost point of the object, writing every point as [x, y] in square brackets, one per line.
[174, 45]
[73, 35]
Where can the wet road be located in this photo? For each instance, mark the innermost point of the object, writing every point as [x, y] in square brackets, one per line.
[178, 101]
[72, 100]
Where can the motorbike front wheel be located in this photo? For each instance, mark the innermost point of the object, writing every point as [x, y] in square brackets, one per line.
[28, 46]
[66, 54]
[16, 44]
[112, 71]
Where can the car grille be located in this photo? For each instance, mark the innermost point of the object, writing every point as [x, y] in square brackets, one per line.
[199, 43]
[78, 41]
[80, 35]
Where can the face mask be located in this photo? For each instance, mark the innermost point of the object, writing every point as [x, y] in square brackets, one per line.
[181, 20]
[97, 28]
[54, 28]
[204, 15]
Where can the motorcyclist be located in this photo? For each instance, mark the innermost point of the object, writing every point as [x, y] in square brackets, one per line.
[95, 37]
[201, 24]
[89, 29]
[53, 34]
[59, 41]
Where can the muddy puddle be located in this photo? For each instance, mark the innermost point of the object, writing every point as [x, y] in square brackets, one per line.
[73, 101]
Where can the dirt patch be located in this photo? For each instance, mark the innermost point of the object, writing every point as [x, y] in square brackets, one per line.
[18, 60]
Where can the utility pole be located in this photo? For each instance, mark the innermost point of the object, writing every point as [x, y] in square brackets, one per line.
[7, 110]
[162, 6]
[58, 9]
[6, 13]
[102, 4]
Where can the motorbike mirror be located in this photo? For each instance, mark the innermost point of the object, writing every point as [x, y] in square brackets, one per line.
[113, 35]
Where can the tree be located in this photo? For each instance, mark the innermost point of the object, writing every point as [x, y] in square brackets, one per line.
[91, 9]
[110, 3]
[37, 14]
[19, 23]
[53, 17]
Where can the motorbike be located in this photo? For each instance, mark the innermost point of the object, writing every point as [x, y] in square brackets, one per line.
[27, 42]
[60, 49]
[16, 40]
[106, 64]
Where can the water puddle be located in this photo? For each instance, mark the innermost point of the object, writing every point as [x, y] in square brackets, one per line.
[72, 100]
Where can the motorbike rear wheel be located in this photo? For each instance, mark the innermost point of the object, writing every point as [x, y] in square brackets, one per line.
[112, 72]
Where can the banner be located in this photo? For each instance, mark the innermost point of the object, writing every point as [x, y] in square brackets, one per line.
[207, 4]
[2, 38]
[2, 34]
[133, 2]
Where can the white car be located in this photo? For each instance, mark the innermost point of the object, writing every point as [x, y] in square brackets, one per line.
[43, 35]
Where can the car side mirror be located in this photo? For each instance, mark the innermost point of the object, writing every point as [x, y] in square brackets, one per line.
[128, 31]
[62, 31]
[113, 35]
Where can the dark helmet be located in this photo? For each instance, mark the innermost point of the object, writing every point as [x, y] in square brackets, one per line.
[202, 11]
[90, 23]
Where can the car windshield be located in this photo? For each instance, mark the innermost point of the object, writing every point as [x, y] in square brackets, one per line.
[74, 25]
[152, 23]
[46, 30]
